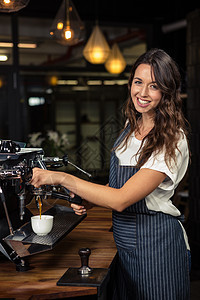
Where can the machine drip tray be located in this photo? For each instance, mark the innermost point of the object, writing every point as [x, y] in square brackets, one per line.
[25, 242]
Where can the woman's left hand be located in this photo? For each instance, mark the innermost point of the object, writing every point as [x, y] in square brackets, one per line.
[81, 209]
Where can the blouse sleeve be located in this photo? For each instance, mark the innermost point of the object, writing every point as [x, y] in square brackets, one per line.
[175, 172]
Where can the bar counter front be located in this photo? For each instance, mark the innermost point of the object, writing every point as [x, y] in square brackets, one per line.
[47, 268]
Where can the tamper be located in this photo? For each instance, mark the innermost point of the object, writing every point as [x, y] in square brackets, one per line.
[84, 255]
[86, 276]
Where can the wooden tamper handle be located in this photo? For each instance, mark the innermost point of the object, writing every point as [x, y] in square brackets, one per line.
[84, 255]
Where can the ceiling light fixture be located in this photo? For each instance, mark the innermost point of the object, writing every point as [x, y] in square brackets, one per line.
[97, 49]
[94, 82]
[12, 5]
[67, 82]
[67, 27]
[27, 45]
[109, 82]
[118, 82]
[20, 45]
[115, 63]
[3, 57]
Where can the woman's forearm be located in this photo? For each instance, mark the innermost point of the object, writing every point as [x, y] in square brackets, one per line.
[100, 195]
[136, 188]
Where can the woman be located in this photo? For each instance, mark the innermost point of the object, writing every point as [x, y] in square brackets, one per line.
[148, 160]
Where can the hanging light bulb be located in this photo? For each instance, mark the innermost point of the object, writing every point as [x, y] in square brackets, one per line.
[12, 5]
[115, 63]
[68, 33]
[97, 49]
[67, 27]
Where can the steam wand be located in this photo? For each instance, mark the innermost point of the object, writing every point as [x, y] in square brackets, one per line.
[78, 168]
[65, 161]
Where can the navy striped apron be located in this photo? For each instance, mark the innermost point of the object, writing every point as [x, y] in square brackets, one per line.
[152, 259]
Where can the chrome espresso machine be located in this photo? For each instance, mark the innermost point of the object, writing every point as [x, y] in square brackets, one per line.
[17, 240]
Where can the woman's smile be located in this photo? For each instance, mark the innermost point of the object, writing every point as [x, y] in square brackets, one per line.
[142, 102]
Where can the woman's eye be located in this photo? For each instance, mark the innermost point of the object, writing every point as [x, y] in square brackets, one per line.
[154, 86]
[137, 82]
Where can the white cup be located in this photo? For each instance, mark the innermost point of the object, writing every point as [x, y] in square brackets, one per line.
[42, 226]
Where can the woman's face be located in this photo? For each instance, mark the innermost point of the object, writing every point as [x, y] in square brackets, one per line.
[145, 93]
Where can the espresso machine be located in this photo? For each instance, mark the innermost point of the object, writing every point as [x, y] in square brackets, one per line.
[17, 240]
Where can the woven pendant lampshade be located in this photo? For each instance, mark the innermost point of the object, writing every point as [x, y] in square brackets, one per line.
[67, 27]
[97, 49]
[12, 5]
[115, 63]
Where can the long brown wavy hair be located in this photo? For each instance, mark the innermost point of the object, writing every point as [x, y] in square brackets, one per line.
[169, 121]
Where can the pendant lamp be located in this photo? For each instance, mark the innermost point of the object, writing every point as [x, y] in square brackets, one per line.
[97, 49]
[67, 27]
[115, 63]
[12, 5]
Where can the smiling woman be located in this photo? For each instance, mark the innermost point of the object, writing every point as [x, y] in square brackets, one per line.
[149, 159]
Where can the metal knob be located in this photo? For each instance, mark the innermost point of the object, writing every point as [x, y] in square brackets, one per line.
[84, 255]
[8, 146]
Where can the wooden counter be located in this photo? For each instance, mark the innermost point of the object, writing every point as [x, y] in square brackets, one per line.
[47, 267]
